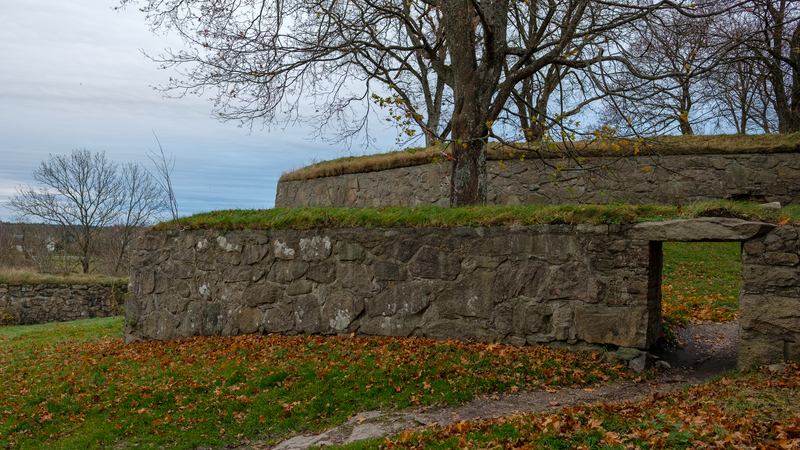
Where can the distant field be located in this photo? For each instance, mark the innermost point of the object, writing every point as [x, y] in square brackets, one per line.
[10, 275]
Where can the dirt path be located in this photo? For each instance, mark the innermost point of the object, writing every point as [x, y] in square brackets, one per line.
[709, 350]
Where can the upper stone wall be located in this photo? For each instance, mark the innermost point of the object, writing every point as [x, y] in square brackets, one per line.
[673, 179]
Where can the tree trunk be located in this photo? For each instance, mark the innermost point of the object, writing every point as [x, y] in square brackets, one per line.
[794, 67]
[86, 258]
[686, 128]
[470, 136]
[686, 105]
[85, 261]
[475, 74]
[469, 174]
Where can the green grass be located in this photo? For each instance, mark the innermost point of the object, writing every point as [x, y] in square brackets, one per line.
[701, 282]
[76, 385]
[475, 216]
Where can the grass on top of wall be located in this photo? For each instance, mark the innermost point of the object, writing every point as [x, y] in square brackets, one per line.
[473, 216]
[21, 276]
[661, 145]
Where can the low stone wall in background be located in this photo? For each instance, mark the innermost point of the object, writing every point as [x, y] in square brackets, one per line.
[43, 303]
[560, 285]
[674, 179]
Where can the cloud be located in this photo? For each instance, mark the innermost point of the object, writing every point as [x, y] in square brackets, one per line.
[74, 77]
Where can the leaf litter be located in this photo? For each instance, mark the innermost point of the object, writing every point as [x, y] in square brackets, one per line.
[94, 391]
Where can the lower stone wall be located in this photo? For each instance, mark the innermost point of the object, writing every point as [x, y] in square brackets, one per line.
[520, 285]
[769, 304]
[671, 179]
[560, 285]
[29, 304]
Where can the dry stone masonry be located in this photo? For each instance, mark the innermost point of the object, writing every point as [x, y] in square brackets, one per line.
[673, 179]
[29, 304]
[560, 285]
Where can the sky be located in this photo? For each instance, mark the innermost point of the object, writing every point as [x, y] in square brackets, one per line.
[73, 76]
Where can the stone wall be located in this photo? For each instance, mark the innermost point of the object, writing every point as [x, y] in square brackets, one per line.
[574, 285]
[43, 303]
[675, 179]
[507, 284]
[769, 304]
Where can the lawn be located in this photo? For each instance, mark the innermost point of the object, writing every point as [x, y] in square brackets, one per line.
[76, 385]
[700, 282]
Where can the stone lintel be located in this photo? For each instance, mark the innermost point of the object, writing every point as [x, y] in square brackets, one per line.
[720, 229]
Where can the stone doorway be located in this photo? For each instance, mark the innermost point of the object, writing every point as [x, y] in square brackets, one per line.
[701, 282]
[769, 324]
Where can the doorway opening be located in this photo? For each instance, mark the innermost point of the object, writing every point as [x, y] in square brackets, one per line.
[700, 286]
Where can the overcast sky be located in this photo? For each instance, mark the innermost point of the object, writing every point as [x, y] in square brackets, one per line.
[72, 76]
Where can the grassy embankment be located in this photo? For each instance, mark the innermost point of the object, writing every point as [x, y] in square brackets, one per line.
[602, 146]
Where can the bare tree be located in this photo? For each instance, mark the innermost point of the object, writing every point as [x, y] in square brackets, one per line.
[8, 250]
[39, 246]
[164, 167]
[770, 30]
[673, 56]
[741, 95]
[144, 201]
[83, 194]
[264, 59]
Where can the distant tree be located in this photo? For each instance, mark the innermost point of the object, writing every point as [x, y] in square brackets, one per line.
[83, 193]
[770, 32]
[673, 56]
[8, 249]
[144, 200]
[741, 95]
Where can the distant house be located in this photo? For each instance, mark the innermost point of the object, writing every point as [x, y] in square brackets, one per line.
[52, 243]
